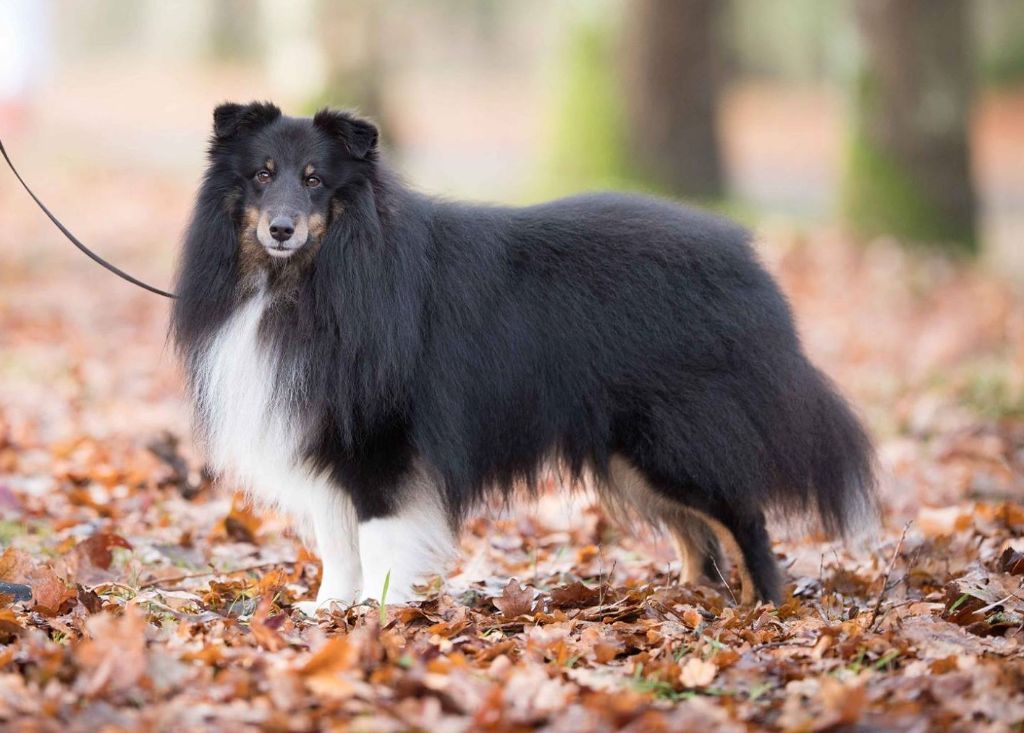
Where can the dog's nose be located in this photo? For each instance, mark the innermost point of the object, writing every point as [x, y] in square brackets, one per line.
[282, 228]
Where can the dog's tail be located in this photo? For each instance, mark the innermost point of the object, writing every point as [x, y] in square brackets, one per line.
[838, 460]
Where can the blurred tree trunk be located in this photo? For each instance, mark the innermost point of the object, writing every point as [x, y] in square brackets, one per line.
[352, 38]
[671, 80]
[234, 30]
[909, 168]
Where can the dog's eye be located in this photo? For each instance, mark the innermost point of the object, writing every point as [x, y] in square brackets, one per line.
[264, 175]
[312, 181]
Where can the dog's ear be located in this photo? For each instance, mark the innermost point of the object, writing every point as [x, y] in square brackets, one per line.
[359, 136]
[230, 119]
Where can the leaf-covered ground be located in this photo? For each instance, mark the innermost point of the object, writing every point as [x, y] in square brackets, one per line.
[136, 596]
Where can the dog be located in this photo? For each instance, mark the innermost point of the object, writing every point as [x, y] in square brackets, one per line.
[378, 363]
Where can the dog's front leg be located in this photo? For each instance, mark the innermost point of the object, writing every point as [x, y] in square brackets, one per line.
[336, 531]
[409, 547]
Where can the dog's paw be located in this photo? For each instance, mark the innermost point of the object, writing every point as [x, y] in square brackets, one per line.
[310, 609]
[306, 608]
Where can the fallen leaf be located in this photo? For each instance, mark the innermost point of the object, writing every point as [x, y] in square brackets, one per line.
[515, 600]
[15, 565]
[49, 591]
[265, 628]
[98, 548]
[1012, 562]
[242, 523]
[113, 656]
[576, 595]
[942, 521]
[327, 672]
[10, 626]
[844, 702]
[697, 673]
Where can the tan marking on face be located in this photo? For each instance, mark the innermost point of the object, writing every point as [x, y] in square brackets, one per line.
[250, 251]
[317, 225]
[308, 170]
[269, 165]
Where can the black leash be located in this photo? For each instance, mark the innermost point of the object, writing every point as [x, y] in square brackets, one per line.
[74, 240]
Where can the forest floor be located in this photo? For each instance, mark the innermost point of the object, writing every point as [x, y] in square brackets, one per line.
[140, 597]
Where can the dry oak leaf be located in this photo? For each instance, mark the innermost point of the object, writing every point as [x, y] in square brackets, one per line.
[49, 591]
[242, 522]
[692, 618]
[515, 600]
[328, 671]
[844, 702]
[697, 673]
[1012, 562]
[576, 595]
[603, 646]
[113, 657]
[15, 566]
[99, 548]
[10, 627]
[265, 627]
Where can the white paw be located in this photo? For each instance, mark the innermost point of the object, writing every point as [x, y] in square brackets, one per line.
[310, 608]
[306, 608]
[395, 595]
[402, 591]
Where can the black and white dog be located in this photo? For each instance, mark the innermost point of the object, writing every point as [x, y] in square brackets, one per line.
[377, 363]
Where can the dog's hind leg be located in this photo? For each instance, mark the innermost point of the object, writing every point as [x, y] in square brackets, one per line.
[697, 546]
[745, 538]
[696, 543]
[409, 547]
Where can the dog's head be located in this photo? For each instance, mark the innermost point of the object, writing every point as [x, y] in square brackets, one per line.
[287, 174]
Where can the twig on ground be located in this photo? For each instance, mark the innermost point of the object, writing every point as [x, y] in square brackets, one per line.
[189, 576]
[724, 581]
[885, 579]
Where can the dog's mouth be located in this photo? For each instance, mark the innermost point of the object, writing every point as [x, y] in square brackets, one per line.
[282, 251]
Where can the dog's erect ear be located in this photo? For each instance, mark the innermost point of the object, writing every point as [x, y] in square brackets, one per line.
[229, 119]
[358, 135]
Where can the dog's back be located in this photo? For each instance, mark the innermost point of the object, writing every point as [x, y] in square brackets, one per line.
[627, 334]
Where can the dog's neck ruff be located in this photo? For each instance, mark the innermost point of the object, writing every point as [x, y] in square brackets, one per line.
[246, 396]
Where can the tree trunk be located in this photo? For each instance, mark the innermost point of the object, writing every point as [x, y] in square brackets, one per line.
[909, 168]
[671, 89]
[352, 36]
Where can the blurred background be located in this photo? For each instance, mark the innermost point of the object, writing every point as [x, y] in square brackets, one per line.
[899, 117]
[875, 146]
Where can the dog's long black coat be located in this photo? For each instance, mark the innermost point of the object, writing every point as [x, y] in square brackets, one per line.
[487, 340]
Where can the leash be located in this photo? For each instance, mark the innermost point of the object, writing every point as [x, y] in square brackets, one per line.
[74, 240]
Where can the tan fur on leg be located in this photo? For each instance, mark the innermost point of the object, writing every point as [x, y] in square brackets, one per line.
[747, 592]
[687, 532]
[629, 488]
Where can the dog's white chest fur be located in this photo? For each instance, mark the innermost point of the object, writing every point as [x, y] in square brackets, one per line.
[243, 397]
[254, 437]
